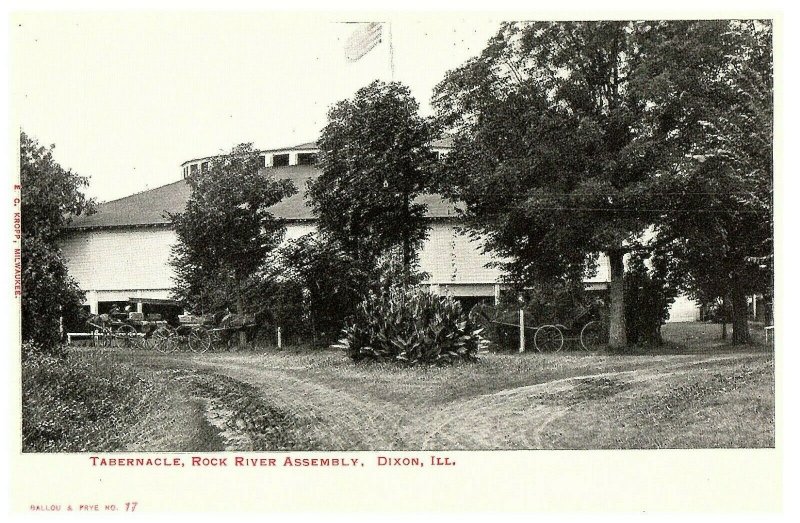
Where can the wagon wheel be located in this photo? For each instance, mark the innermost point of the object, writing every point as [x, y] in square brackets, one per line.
[105, 337]
[223, 339]
[594, 335]
[548, 338]
[162, 339]
[126, 335]
[216, 339]
[199, 339]
[142, 342]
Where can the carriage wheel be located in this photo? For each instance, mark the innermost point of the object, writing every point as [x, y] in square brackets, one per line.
[126, 335]
[142, 342]
[199, 339]
[594, 335]
[548, 338]
[224, 340]
[162, 339]
[105, 338]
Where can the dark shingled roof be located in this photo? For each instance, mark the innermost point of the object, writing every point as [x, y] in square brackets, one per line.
[150, 208]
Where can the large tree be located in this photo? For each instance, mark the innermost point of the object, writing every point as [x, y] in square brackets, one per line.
[717, 195]
[375, 158]
[573, 138]
[226, 231]
[548, 159]
[51, 195]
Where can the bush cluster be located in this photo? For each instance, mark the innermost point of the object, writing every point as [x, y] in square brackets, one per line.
[647, 300]
[71, 404]
[411, 326]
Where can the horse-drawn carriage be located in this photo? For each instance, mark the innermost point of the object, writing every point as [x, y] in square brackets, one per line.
[586, 328]
[125, 329]
[129, 329]
[200, 333]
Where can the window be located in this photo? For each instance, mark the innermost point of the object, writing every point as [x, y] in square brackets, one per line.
[280, 160]
[306, 158]
[204, 167]
[262, 161]
[194, 168]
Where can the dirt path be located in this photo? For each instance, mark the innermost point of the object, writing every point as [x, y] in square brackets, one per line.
[516, 418]
[334, 415]
[330, 418]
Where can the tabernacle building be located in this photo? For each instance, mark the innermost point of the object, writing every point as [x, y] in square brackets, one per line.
[123, 251]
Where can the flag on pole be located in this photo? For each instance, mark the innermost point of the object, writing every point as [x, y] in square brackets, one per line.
[362, 41]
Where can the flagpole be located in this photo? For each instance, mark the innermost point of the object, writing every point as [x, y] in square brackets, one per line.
[391, 51]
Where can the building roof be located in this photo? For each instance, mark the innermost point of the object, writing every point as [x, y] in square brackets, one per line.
[151, 208]
[445, 142]
[301, 147]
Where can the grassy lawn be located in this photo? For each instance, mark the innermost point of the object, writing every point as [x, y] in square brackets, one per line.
[698, 336]
[696, 393]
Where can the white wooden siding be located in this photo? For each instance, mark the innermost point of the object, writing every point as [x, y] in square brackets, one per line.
[450, 257]
[684, 309]
[120, 259]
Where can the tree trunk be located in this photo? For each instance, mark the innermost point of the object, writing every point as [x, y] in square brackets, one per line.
[617, 336]
[725, 307]
[741, 330]
[240, 311]
[406, 242]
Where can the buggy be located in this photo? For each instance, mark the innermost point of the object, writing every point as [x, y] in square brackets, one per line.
[586, 328]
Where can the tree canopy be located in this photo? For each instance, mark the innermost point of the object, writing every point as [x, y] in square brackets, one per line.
[567, 131]
[332, 282]
[51, 195]
[718, 191]
[375, 159]
[547, 159]
[226, 230]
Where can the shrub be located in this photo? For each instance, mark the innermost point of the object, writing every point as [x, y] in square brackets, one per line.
[647, 301]
[411, 326]
[321, 285]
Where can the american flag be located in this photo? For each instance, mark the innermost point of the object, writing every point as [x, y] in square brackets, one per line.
[362, 41]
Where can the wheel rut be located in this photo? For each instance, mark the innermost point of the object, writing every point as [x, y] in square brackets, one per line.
[333, 418]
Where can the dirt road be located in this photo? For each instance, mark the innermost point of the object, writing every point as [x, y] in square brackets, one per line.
[339, 406]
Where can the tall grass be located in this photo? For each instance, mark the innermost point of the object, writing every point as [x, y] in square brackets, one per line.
[79, 403]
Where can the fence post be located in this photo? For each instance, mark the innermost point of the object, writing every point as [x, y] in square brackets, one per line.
[521, 330]
[279, 338]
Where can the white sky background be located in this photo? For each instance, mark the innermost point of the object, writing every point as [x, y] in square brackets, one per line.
[126, 98]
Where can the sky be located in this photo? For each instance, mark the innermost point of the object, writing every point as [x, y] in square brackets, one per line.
[127, 97]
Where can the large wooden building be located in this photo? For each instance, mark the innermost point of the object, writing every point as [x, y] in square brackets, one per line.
[123, 250]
